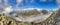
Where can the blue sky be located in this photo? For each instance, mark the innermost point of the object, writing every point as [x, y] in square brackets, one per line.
[40, 4]
[44, 4]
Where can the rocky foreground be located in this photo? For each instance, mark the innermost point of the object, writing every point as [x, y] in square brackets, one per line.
[54, 19]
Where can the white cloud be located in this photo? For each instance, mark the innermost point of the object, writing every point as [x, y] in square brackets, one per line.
[0, 1]
[8, 10]
[32, 9]
[3, 5]
[43, 0]
[19, 2]
[6, 3]
[55, 9]
[58, 3]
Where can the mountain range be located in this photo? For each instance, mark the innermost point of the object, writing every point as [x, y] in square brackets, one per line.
[51, 18]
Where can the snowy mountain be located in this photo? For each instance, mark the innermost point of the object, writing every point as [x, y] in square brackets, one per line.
[30, 15]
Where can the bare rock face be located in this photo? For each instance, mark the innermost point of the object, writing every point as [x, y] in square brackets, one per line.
[44, 11]
[30, 12]
[25, 13]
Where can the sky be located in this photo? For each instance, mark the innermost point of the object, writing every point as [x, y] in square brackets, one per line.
[45, 4]
[22, 4]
